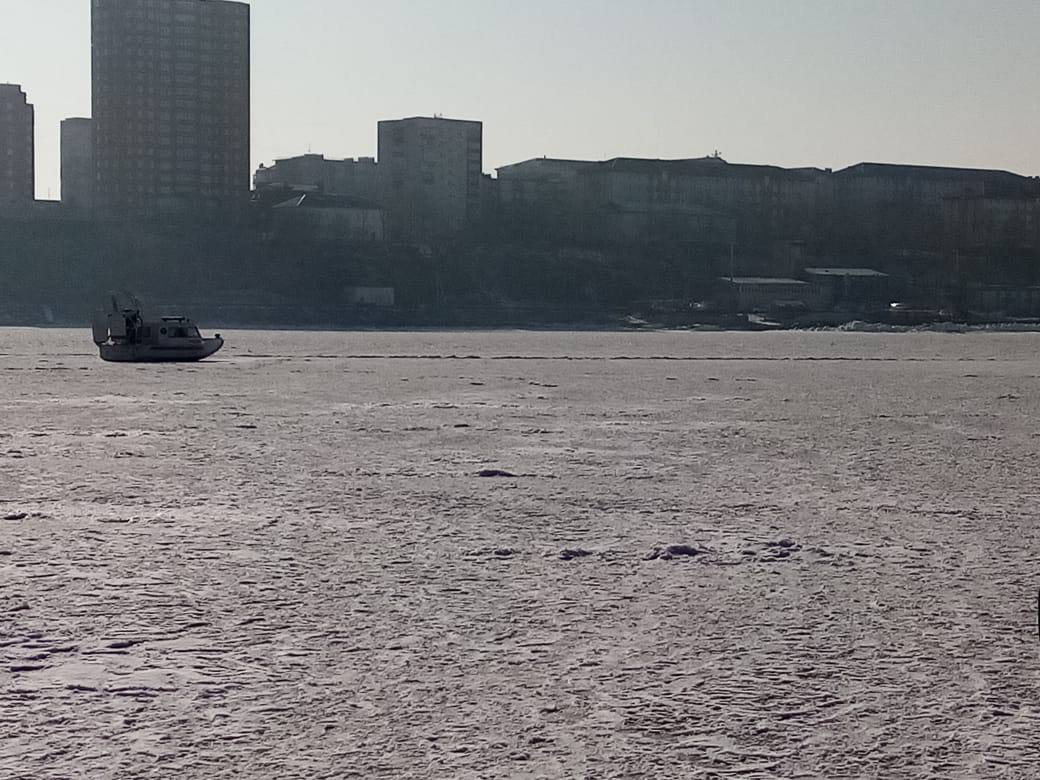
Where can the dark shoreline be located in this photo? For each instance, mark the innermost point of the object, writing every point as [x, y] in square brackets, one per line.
[861, 327]
[212, 317]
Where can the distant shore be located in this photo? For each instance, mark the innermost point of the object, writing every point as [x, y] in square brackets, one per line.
[617, 325]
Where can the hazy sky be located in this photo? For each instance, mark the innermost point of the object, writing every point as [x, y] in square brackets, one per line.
[790, 82]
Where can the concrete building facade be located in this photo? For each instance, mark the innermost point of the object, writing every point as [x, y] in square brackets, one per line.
[77, 164]
[701, 200]
[881, 209]
[322, 217]
[17, 147]
[357, 178]
[545, 198]
[992, 225]
[432, 176]
[171, 104]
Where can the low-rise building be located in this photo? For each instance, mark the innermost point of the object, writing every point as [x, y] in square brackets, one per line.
[544, 198]
[321, 217]
[848, 288]
[759, 293]
[1005, 300]
[358, 178]
[701, 200]
[883, 209]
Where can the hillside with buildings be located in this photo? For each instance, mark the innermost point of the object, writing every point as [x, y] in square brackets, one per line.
[157, 196]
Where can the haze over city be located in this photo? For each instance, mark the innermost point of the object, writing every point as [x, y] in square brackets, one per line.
[942, 82]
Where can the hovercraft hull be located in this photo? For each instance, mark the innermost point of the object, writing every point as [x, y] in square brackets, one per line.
[153, 353]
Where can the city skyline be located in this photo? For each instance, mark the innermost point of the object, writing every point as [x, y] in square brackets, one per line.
[932, 83]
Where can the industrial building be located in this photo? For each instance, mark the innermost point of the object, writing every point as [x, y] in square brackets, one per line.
[171, 105]
[17, 147]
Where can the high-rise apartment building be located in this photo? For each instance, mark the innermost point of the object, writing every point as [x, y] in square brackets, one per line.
[431, 171]
[17, 148]
[170, 104]
[77, 163]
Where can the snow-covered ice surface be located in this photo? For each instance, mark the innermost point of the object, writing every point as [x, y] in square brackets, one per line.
[283, 564]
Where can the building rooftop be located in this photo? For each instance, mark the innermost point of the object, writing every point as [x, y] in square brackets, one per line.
[547, 161]
[920, 171]
[763, 280]
[12, 90]
[693, 166]
[318, 157]
[700, 166]
[316, 200]
[431, 119]
[863, 272]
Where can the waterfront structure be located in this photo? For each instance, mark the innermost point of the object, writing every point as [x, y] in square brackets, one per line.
[77, 164]
[849, 288]
[357, 178]
[171, 105]
[1005, 300]
[432, 176]
[752, 293]
[17, 147]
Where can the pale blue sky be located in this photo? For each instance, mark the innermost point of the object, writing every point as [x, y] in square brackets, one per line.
[791, 82]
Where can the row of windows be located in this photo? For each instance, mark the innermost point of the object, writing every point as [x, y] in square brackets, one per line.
[211, 163]
[131, 157]
[163, 49]
[187, 122]
[236, 16]
[228, 164]
[153, 106]
[154, 81]
[128, 63]
[129, 60]
[167, 34]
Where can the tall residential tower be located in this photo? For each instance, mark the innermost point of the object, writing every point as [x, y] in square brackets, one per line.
[17, 149]
[170, 105]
